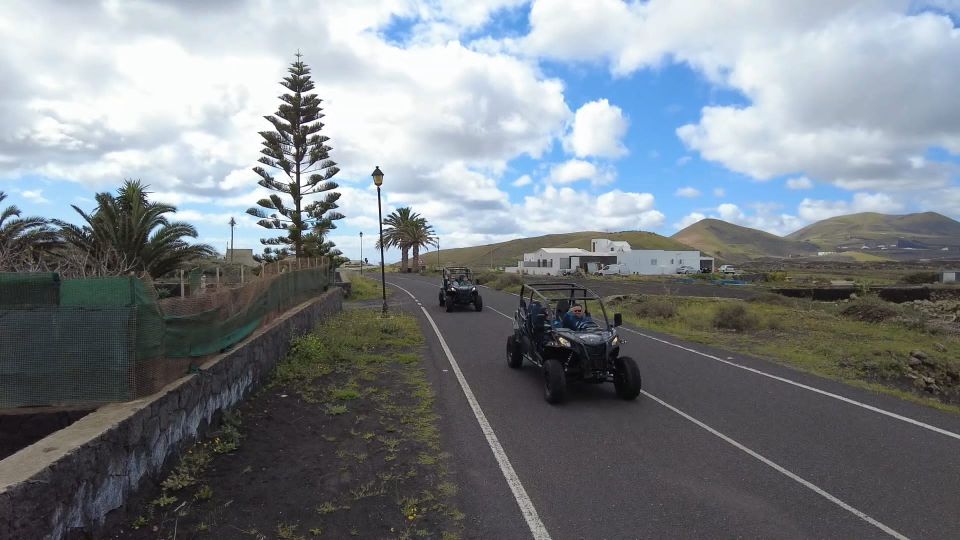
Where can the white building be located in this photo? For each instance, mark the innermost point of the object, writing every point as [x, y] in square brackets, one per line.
[553, 261]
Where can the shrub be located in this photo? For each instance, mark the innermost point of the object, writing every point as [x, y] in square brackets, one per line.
[870, 309]
[485, 278]
[656, 308]
[735, 316]
[918, 278]
[506, 280]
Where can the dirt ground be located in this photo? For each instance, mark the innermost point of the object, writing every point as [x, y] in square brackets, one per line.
[343, 444]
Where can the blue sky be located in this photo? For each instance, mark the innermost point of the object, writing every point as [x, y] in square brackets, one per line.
[496, 119]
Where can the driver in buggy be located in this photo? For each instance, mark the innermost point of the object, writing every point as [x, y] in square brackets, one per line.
[576, 318]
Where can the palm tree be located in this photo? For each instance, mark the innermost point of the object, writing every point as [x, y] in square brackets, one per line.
[397, 232]
[129, 233]
[407, 230]
[421, 235]
[22, 239]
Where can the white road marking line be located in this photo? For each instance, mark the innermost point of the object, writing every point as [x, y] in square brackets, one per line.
[807, 387]
[537, 529]
[781, 470]
[500, 312]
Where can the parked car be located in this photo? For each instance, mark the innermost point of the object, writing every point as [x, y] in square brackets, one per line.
[614, 270]
[686, 270]
[458, 289]
[586, 349]
[728, 269]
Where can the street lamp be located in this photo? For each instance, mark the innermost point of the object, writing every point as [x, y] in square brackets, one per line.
[232, 223]
[361, 253]
[378, 180]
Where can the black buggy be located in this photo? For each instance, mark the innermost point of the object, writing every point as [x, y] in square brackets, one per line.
[458, 288]
[568, 348]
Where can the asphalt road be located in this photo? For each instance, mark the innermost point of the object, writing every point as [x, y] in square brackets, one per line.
[718, 445]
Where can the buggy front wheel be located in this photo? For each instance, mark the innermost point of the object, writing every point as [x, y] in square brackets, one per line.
[627, 379]
[514, 354]
[441, 300]
[554, 381]
[478, 303]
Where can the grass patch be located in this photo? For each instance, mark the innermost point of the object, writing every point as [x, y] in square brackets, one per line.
[363, 288]
[864, 342]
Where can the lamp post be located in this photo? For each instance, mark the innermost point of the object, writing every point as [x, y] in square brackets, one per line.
[232, 223]
[361, 253]
[378, 180]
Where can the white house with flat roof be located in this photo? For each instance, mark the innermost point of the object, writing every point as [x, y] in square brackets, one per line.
[553, 261]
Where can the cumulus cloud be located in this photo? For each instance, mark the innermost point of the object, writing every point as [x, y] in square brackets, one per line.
[689, 220]
[157, 98]
[818, 100]
[815, 210]
[598, 130]
[798, 183]
[688, 192]
[719, 193]
[563, 209]
[576, 170]
[33, 195]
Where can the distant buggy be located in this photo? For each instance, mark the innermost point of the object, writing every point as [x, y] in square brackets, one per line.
[458, 289]
[581, 345]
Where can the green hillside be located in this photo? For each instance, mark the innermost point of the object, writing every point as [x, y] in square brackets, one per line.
[870, 228]
[734, 243]
[508, 253]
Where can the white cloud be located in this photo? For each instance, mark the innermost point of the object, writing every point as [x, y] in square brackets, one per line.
[719, 193]
[801, 67]
[683, 160]
[598, 128]
[815, 210]
[33, 195]
[524, 180]
[689, 220]
[563, 209]
[573, 171]
[798, 183]
[688, 191]
[113, 101]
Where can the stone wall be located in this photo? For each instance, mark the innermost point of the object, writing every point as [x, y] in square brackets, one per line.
[69, 481]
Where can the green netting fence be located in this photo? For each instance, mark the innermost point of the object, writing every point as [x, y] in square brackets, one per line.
[106, 339]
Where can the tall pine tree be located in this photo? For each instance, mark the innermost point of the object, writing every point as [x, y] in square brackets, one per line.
[297, 148]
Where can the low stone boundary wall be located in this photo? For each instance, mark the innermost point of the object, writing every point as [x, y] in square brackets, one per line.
[69, 481]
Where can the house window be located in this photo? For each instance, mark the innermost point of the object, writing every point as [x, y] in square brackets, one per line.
[653, 262]
[611, 249]
[671, 261]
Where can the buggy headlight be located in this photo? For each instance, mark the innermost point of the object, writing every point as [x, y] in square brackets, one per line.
[453, 289]
[616, 341]
[563, 342]
[473, 289]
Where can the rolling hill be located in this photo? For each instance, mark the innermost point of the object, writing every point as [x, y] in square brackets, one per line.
[735, 243]
[508, 253]
[855, 230]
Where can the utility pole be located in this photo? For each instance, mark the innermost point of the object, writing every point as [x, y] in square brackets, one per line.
[361, 253]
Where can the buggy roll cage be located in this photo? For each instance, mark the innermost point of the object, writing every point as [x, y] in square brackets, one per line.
[560, 287]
